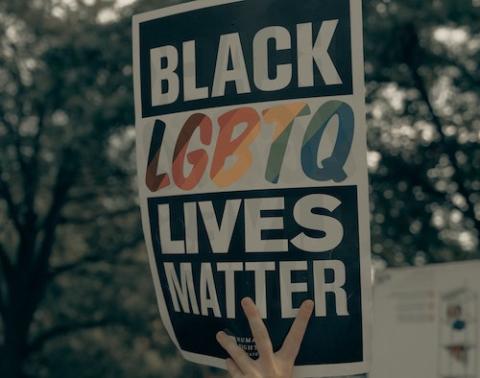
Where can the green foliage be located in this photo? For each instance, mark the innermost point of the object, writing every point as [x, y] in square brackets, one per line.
[423, 111]
[73, 264]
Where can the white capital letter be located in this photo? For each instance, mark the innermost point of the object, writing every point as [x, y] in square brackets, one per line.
[161, 74]
[220, 235]
[255, 224]
[260, 58]
[305, 217]
[230, 269]
[260, 269]
[208, 292]
[321, 287]
[169, 246]
[287, 287]
[184, 290]
[191, 227]
[190, 90]
[230, 47]
[318, 53]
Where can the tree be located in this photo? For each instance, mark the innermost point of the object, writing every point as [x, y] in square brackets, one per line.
[71, 258]
[423, 129]
[67, 198]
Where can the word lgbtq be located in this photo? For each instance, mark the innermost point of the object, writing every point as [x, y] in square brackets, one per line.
[230, 67]
[236, 130]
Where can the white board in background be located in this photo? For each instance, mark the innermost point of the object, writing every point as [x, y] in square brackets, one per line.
[426, 322]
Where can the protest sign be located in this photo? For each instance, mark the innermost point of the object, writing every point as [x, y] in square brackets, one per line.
[251, 157]
[427, 322]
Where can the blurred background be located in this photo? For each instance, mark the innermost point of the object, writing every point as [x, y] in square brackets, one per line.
[76, 296]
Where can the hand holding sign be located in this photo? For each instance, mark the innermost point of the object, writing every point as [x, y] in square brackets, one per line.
[269, 364]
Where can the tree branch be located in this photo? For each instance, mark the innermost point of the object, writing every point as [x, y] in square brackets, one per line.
[7, 269]
[95, 258]
[446, 59]
[65, 329]
[38, 264]
[3, 309]
[5, 262]
[83, 196]
[93, 218]
[63, 183]
[13, 211]
[16, 141]
[32, 172]
[413, 61]
[462, 189]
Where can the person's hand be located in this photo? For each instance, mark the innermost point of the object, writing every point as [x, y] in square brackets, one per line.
[268, 364]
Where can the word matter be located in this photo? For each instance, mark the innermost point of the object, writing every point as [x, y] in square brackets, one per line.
[199, 294]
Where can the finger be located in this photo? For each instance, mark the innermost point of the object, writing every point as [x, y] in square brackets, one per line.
[259, 331]
[292, 342]
[233, 369]
[239, 356]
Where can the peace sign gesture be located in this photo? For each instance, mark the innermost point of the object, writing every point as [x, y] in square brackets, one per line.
[270, 364]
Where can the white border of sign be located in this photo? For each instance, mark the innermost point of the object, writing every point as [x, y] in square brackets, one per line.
[363, 208]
